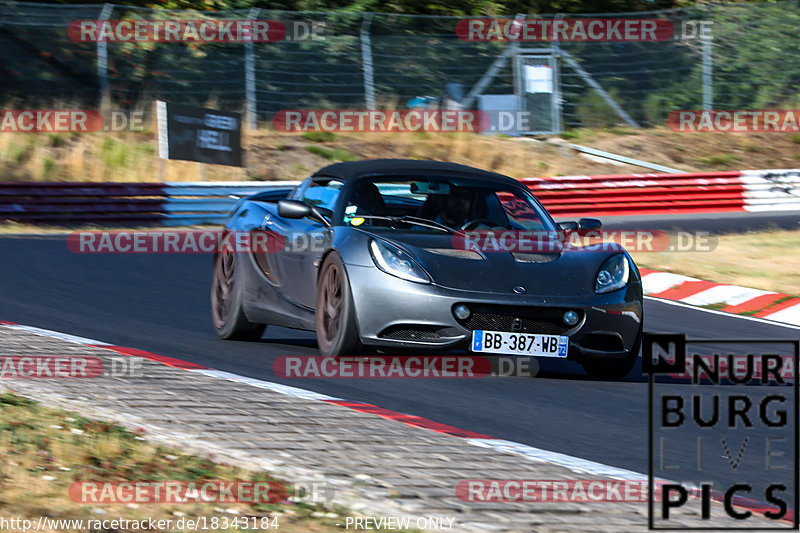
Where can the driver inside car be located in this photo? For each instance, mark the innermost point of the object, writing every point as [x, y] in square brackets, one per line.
[457, 208]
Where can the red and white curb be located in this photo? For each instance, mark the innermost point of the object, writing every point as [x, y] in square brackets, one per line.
[757, 303]
[690, 192]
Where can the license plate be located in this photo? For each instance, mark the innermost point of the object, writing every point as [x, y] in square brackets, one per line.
[520, 343]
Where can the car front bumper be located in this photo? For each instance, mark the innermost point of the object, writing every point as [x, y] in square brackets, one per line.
[392, 312]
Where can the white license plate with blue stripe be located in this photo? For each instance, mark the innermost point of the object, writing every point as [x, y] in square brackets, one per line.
[520, 343]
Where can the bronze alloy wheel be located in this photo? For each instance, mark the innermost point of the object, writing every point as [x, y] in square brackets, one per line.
[226, 306]
[222, 288]
[337, 331]
[330, 307]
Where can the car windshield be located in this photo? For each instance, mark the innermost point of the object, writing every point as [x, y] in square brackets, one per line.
[436, 205]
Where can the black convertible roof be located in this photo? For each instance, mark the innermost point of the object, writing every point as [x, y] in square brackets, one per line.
[352, 170]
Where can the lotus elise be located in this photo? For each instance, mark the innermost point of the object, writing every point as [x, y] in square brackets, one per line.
[406, 254]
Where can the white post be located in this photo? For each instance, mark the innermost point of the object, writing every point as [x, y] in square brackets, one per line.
[366, 62]
[163, 139]
[102, 63]
[250, 79]
[555, 103]
[708, 81]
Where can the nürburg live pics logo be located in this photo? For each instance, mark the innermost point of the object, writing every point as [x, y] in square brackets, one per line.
[723, 439]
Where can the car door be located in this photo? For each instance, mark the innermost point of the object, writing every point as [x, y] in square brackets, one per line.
[268, 242]
[305, 240]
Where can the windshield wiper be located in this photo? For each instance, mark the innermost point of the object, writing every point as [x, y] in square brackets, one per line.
[427, 222]
[412, 220]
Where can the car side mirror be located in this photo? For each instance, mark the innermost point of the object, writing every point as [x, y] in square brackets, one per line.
[568, 225]
[293, 209]
[591, 224]
[296, 209]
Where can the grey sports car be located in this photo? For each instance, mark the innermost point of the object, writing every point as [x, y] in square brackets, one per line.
[398, 254]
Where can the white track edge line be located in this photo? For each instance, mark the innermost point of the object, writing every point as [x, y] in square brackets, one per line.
[288, 390]
[57, 335]
[723, 313]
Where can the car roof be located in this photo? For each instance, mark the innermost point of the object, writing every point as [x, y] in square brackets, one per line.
[354, 170]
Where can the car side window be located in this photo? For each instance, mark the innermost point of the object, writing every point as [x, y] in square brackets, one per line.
[520, 212]
[322, 194]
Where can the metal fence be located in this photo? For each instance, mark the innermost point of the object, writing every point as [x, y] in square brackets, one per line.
[749, 60]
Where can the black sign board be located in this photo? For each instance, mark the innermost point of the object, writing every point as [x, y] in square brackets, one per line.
[197, 134]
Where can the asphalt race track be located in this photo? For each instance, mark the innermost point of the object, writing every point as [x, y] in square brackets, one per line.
[160, 303]
[716, 223]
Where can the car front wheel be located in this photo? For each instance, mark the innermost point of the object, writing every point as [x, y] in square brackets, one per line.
[337, 331]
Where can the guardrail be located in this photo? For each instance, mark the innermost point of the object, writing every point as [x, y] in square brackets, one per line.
[178, 203]
[186, 203]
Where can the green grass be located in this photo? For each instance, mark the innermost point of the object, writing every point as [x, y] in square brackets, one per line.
[56, 139]
[332, 154]
[48, 167]
[619, 130]
[319, 136]
[719, 159]
[114, 153]
[43, 451]
[776, 302]
[19, 152]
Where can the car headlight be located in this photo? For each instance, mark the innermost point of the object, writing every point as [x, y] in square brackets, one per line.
[613, 274]
[396, 262]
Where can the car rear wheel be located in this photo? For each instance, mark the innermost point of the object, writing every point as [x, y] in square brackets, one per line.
[227, 314]
[613, 368]
[337, 331]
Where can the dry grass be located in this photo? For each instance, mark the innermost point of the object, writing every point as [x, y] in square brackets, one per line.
[767, 260]
[43, 451]
[96, 157]
[271, 155]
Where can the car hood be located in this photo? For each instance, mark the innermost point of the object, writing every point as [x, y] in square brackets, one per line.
[569, 272]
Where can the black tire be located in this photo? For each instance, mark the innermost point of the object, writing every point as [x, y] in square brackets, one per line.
[613, 368]
[226, 302]
[337, 330]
